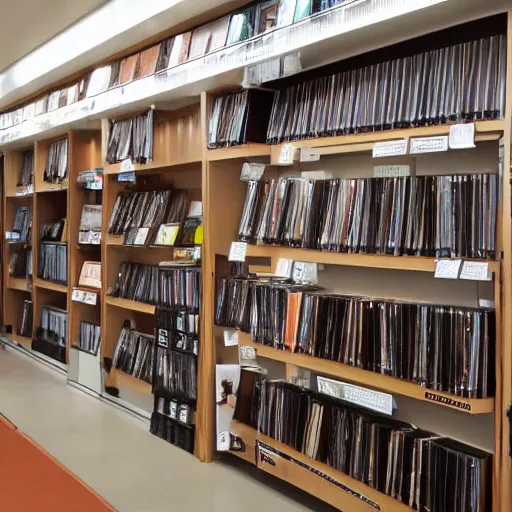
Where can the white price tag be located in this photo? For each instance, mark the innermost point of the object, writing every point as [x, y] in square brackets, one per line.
[247, 356]
[485, 303]
[284, 268]
[391, 171]
[223, 441]
[428, 145]
[447, 269]
[309, 155]
[252, 171]
[230, 338]
[238, 251]
[374, 400]
[390, 148]
[462, 136]
[84, 297]
[196, 209]
[127, 165]
[306, 273]
[475, 271]
[12, 235]
[286, 154]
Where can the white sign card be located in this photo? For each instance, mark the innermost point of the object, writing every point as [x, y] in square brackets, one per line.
[84, 296]
[284, 268]
[238, 251]
[374, 400]
[286, 155]
[476, 271]
[252, 171]
[447, 269]
[127, 165]
[462, 136]
[390, 148]
[230, 338]
[428, 145]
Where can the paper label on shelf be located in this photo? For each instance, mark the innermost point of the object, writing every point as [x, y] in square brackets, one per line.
[196, 209]
[447, 269]
[12, 235]
[428, 145]
[247, 356]
[390, 148]
[238, 251]
[476, 271]
[223, 441]
[230, 338]
[309, 155]
[462, 136]
[286, 154]
[163, 338]
[84, 296]
[284, 268]
[84, 237]
[140, 237]
[316, 175]
[391, 171]
[96, 237]
[128, 177]
[127, 165]
[252, 171]
[306, 273]
[486, 303]
[25, 190]
[374, 400]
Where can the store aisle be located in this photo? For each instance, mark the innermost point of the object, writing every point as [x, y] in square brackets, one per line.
[114, 453]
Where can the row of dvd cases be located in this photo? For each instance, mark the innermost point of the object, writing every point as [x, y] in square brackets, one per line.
[149, 216]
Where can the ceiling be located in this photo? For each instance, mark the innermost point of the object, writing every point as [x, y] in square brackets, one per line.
[27, 24]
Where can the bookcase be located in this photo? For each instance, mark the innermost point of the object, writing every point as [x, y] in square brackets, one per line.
[403, 278]
[181, 160]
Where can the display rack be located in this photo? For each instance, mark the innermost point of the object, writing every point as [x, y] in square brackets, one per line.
[182, 161]
[403, 277]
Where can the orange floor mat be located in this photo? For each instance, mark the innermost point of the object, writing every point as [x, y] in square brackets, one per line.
[33, 481]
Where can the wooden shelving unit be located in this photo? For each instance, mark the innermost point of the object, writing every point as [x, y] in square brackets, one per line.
[177, 164]
[181, 161]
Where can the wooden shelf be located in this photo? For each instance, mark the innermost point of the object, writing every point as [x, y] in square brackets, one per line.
[369, 379]
[20, 340]
[360, 142]
[412, 263]
[335, 488]
[151, 166]
[48, 285]
[118, 378]
[44, 187]
[132, 305]
[18, 283]
[244, 151]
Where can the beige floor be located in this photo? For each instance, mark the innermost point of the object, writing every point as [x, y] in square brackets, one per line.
[116, 455]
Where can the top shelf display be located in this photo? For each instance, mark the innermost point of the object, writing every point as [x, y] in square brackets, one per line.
[426, 92]
[155, 140]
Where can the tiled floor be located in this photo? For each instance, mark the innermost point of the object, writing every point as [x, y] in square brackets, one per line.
[115, 454]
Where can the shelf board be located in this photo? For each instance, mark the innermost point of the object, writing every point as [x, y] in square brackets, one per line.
[359, 142]
[48, 285]
[413, 263]
[45, 187]
[244, 151]
[118, 241]
[20, 340]
[152, 166]
[304, 478]
[369, 379]
[132, 305]
[118, 378]
[18, 283]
